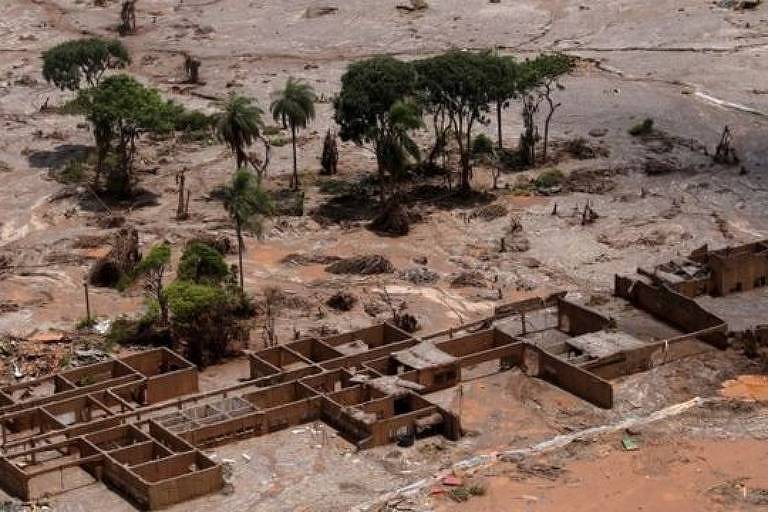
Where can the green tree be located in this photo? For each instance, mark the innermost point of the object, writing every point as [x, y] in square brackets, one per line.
[369, 89]
[67, 64]
[238, 125]
[205, 316]
[544, 73]
[395, 146]
[152, 268]
[201, 263]
[123, 108]
[296, 104]
[459, 83]
[247, 204]
[504, 86]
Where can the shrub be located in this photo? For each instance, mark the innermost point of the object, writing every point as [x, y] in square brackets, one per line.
[207, 317]
[482, 145]
[549, 179]
[335, 187]
[193, 121]
[121, 332]
[643, 128]
[271, 130]
[279, 141]
[73, 172]
[201, 263]
[188, 299]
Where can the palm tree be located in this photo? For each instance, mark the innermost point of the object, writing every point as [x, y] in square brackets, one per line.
[238, 125]
[247, 204]
[296, 104]
[395, 145]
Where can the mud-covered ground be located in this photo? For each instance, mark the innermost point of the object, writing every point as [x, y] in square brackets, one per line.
[690, 65]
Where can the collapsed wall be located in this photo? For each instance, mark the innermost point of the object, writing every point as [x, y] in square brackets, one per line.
[673, 308]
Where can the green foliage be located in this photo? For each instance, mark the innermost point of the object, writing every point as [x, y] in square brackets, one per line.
[238, 125]
[159, 256]
[246, 202]
[74, 171]
[271, 130]
[128, 105]
[505, 78]
[643, 128]
[201, 263]
[459, 84]
[121, 332]
[67, 64]
[395, 146]
[193, 121]
[278, 141]
[546, 69]
[482, 145]
[207, 317]
[335, 187]
[120, 107]
[458, 81]
[188, 300]
[295, 103]
[549, 179]
[369, 89]
[85, 323]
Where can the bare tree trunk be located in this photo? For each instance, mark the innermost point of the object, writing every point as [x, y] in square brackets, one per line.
[552, 107]
[295, 178]
[382, 192]
[180, 208]
[239, 230]
[499, 107]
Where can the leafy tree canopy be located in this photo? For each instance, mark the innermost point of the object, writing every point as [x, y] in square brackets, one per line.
[546, 68]
[159, 256]
[189, 300]
[127, 105]
[201, 263]
[504, 78]
[66, 65]
[369, 89]
[458, 80]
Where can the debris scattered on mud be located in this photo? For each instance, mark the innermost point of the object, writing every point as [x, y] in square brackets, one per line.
[342, 301]
[317, 11]
[298, 259]
[394, 220]
[468, 279]
[419, 275]
[489, 212]
[591, 181]
[122, 258]
[362, 265]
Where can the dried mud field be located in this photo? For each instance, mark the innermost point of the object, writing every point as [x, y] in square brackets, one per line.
[692, 66]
